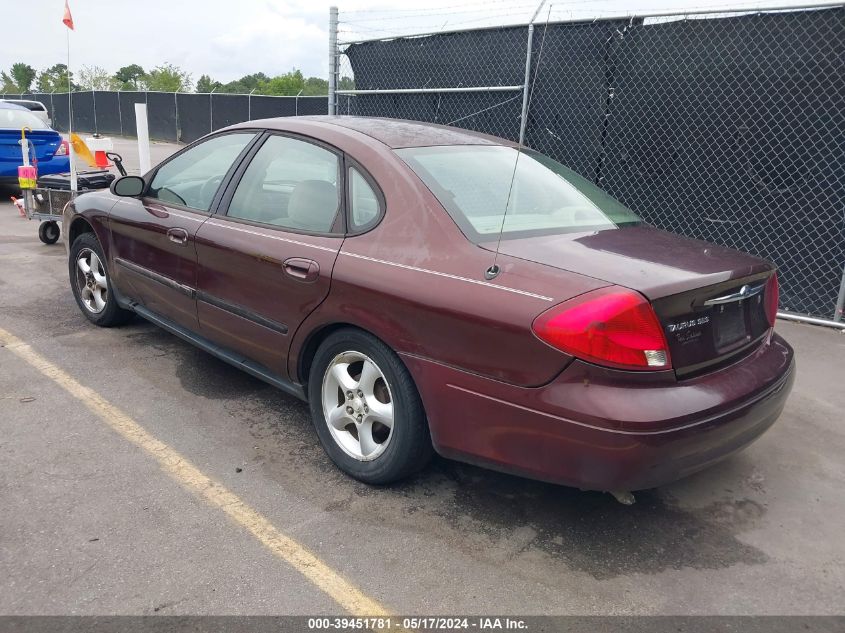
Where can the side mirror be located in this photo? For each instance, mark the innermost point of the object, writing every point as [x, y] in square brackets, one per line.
[128, 186]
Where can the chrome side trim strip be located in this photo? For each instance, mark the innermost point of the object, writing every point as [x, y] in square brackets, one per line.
[154, 276]
[188, 217]
[448, 276]
[272, 237]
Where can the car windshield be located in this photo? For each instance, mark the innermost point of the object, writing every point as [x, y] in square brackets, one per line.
[473, 183]
[12, 118]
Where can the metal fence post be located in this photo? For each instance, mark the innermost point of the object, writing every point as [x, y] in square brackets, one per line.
[94, 107]
[526, 87]
[840, 301]
[523, 117]
[332, 60]
[211, 109]
[119, 112]
[176, 114]
[249, 105]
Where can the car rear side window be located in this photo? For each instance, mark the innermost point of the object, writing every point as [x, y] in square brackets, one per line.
[477, 183]
[363, 201]
[193, 177]
[291, 184]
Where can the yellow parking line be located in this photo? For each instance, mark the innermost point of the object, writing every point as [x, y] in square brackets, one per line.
[296, 555]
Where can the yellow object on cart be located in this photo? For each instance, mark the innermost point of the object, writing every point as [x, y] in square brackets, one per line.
[27, 174]
[81, 149]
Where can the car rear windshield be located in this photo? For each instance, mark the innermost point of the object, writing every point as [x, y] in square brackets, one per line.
[35, 106]
[12, 118]
[475, 183]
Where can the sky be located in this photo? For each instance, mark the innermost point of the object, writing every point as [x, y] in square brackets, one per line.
[227, 39]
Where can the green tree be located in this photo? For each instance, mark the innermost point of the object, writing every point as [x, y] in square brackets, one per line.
[7, 84]
[54, 78]
[288, 84]
[245, 84]
[129, 77]
[315, 87]
[168, 78]
[24, 75]
[346, 83]
[207, 84]
[96, 78]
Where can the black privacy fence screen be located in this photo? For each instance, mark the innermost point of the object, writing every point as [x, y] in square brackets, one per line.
[179, 117]
[723, 127]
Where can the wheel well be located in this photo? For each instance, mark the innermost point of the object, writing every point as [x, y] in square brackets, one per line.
[77, 228]
[309, 350]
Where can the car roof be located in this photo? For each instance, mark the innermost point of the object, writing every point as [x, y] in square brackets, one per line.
[11, 106]
[27, 103]
[398, 133]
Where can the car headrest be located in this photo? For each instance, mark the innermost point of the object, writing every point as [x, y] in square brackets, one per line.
[313, 205]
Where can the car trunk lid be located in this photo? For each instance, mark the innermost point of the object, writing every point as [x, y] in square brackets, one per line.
[710, 299]
[46, 142]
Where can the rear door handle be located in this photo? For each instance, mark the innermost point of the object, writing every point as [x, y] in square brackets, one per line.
[178, 236]
[300, 269]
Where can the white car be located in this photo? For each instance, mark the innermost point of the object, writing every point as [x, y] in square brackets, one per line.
[37, 108]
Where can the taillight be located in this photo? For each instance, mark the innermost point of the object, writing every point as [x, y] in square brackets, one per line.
[771, 299]
[613, 326]
[63, 149]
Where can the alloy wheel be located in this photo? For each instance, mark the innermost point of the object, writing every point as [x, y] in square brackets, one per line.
[357, 405]
[91, 281]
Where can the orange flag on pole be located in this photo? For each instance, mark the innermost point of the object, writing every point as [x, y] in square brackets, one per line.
[68, 19]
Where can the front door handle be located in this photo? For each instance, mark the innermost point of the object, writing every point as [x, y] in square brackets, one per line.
[300, 269]
[178, 236]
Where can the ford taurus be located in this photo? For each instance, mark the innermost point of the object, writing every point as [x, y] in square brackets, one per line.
[426, 288]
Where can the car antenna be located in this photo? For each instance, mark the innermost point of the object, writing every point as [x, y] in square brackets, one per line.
[494, 270]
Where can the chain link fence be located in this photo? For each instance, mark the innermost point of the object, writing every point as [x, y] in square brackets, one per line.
[726, 127]
[171, 116]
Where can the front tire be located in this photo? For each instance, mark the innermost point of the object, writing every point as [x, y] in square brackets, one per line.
[91, 283]
[366, 409]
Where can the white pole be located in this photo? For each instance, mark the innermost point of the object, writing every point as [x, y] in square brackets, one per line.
[211, 110]
[143, 137]
[332, 61]
[71, 155]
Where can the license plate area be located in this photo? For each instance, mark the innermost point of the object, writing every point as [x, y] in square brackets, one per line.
[729, 325]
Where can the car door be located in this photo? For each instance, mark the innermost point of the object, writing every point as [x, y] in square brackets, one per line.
[153, 236]
[265, 259]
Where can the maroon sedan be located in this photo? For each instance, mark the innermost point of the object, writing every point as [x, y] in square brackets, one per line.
[428, 288]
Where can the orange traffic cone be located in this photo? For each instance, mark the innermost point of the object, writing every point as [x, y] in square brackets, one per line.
[100, 159]
[19, 204]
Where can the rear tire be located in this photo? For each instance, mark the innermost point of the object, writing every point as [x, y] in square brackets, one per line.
[366, 409]
[91, 283]
[48, 232]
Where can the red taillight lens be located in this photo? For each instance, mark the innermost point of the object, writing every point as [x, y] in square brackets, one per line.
[611, 326]
[62, 150]
[771, 298]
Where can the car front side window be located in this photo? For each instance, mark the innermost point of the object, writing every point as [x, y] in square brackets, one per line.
[193, 177]
[290, 183]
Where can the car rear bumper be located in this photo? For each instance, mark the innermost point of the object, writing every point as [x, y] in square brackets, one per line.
[603, 429]
[55, 165]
